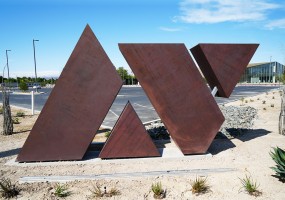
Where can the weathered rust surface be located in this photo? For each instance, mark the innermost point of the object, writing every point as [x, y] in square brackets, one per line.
[129, 139]
[76, 106]
[223, 64]
[175, 87]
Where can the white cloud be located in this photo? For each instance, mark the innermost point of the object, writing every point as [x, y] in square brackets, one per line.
[170, 29]
[279, 23]
[216, 11]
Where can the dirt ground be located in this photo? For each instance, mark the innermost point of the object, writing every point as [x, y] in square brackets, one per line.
[246, 154]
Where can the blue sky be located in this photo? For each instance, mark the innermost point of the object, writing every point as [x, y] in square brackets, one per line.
[58, 24]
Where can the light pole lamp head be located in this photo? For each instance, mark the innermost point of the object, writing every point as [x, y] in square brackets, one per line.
[35, 40]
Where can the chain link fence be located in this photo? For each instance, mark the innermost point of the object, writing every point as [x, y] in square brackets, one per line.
[282, 113]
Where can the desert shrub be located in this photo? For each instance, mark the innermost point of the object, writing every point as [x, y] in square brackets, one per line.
[278, 155]
[272, 105]
[7, 189]
[263, 102]
[273, 97]
[250, 186]
[1, 109]
[158, 192]
[61, 191]
[20, 114]
[200, 185]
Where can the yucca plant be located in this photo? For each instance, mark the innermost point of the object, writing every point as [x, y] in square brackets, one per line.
[278, 155]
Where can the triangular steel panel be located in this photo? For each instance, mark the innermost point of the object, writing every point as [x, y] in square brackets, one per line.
[129, 138]
[223, 64]
[178, 93]
[76, 106]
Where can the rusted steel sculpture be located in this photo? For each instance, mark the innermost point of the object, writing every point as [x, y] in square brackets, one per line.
[223, 64]
[76, 106]
[175, 87]
[129, 138]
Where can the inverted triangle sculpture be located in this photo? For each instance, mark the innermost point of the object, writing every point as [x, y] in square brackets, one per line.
[223, 64]
[129, 138]
[76, 106]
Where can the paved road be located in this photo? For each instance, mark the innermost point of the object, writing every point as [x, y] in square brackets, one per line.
[138, 99]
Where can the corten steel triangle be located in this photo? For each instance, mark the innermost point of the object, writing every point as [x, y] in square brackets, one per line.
[76, 106]
[129, 139]
[223, 64]
[175, 88]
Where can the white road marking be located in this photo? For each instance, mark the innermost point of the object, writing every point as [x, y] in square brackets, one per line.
[114, 113]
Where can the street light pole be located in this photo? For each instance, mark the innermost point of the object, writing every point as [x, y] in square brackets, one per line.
[7, 64]
[35, 63]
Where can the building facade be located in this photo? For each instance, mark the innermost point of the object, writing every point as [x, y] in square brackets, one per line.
[267, 72]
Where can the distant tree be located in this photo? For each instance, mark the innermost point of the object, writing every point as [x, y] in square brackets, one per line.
[123, 73]
[23, 86]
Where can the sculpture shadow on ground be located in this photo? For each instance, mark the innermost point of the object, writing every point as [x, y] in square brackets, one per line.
[8, 153]
[222, 144]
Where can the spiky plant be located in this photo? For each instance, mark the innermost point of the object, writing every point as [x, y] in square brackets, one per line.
[200, 185]
[61, 191]
[278, 155]
[158, 192]
[7, 189]
[250, 186]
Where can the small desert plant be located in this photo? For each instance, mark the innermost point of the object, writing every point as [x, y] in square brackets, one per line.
[272, 105]
[258, 98]
[200, 185]
[273, 97]
[158, 192]
[1, 109]
[97, 192]
[7, 189]
[20, 114]
[264, 108]
[263, 102]
[251, 100]
[250, 186]
[246, 101]
[16, 120]
[107, 134]
[61, 191]
[278, 155]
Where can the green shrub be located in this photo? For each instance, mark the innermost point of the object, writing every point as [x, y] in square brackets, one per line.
[263, 102]
[250, 186]
[7, 189]
[1, 109]
[61, 191]
[158, 192]
[200, 186]
[278, 155]
[20, 114]
[23, 86]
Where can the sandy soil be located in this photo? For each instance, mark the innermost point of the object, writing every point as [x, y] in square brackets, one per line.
[246, 154]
